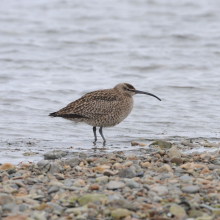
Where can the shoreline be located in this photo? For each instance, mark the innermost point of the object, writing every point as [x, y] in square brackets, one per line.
[162, 184]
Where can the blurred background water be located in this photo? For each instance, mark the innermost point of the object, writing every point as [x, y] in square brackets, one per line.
[52, 52]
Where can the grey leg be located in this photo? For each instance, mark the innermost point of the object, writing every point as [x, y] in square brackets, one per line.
[100, 131]
[94, 131]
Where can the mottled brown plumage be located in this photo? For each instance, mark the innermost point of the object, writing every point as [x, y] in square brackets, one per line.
[101, 108]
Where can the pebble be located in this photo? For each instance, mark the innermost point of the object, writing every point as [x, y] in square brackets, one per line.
[91, 198]
[120, 213]
[115, 185]
[132, 184]
[6, 166]
[177, 211]
[152, 185]
[176, 160]
[190, 189]
[174, 152]
[6, 198]
[128, 172]
[160, 190]
[73, 162]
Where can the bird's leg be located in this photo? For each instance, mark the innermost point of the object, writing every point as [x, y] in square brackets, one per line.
[100, 131]
[94, 131]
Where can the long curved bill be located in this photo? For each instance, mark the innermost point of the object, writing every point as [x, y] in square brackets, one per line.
[146, 93]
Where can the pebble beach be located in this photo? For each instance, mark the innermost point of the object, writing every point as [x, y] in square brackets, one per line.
[160, 182]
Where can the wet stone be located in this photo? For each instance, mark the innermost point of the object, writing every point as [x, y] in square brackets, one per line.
[163, 144]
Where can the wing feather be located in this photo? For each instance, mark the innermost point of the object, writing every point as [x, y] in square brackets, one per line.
[92, 105]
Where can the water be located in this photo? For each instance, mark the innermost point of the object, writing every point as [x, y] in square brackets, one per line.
[53, 52]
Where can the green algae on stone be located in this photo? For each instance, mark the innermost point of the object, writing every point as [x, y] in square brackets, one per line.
[77, 210]
[90, 198]
[163, 144]
[120, 213]
[193, 213]
[72, 199]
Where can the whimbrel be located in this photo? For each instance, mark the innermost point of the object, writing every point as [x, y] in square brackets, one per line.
[102, 108]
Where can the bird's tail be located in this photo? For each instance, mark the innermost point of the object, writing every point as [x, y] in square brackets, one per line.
[54, 114]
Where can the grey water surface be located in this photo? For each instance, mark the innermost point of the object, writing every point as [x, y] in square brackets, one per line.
[54, 51]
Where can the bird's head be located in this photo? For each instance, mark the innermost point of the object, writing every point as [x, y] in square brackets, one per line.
[130, 90]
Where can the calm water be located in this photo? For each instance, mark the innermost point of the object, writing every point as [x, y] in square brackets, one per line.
[52, 52]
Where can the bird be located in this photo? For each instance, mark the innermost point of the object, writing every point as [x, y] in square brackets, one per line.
[102, 108]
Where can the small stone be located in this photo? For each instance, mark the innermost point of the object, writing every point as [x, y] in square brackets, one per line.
[145, 164]
[120, 213]
[10, 207]
[59, 176]
[134, 143]
[108, 172]
[132, 184]
[79, 183]
[94, 187]
[185, 178]
[38, 215]
[68, 182]
[160, 190]
[53, 189]
[128, 172]
[55, 168]
[73, 162]
[165, 168]
[205, 170]
[102, 161]
[115, 185]
[102, 179]
[99, 169]
[176, 160]
[190, 189]
[6, 166]
[44, 165]
[163, 144]
[193, 213]
[117, 166]
[91, 198]
[142, 145]
[31, 181]
[16, 217]
[77, 211]
[177, 211]
[128, 164]
[57, 209]
[6, 198]
[174, 152]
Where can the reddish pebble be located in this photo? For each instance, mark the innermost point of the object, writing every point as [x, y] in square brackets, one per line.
[94, 187]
